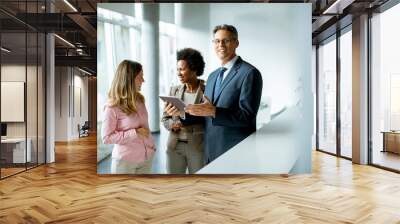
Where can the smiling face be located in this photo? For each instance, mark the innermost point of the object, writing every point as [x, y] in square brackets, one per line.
[185, 75]
[225, 45]
[139, 80]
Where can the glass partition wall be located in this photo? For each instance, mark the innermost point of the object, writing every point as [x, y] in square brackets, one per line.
[22, 77]
[334, 104]
[13, 87]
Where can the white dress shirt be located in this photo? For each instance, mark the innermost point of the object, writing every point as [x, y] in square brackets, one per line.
[229, 66]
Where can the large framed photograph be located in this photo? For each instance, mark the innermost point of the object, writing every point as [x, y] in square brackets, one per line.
[243, 72]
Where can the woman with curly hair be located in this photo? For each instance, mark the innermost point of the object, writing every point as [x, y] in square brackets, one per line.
[185, 141]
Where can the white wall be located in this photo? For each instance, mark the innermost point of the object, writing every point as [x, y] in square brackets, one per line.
[80, 118]
[123, 8]
[33, 126]
[272, 37]
[12, 73]
[68, 81]
[61, 103]
[193, 30]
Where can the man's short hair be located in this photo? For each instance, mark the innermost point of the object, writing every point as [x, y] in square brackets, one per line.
[226, 27]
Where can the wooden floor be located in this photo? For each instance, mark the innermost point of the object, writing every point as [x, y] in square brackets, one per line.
[10, 171]
[70, 191]
[387, 159]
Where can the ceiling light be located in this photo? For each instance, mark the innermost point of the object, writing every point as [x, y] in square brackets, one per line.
[79, 51]
[64, 40]
[338, 6]
[70, 5]
[86, 72]
[5, 50]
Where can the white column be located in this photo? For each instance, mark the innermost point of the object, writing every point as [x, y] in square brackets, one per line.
[150, 62]
[360, 90]
[71, 103]
[50, 99]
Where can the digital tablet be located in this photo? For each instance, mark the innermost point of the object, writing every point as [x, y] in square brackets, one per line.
[175, 101]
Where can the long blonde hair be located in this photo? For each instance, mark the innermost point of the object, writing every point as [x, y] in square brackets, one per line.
[123, 92]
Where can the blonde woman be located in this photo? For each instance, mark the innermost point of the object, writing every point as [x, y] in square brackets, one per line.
[126, 122]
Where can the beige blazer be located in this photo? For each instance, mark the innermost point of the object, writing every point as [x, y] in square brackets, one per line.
[193, 133]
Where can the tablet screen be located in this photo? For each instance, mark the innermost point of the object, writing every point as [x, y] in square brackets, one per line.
[178, 103]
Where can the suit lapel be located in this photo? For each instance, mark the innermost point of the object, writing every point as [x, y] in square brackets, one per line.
[212, 80]
[180, 92]
[229, 77]
[199, 94]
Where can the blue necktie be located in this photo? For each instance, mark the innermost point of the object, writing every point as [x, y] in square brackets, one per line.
[218, 84]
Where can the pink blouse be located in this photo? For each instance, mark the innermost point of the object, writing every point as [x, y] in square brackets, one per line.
[120, 129]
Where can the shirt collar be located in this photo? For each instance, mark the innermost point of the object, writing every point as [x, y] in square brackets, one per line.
[230, 63]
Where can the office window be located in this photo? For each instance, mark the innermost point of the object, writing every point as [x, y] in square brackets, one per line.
[394, 101]
[327, 96]
[168, 75]
[117, 32]
[118, 38]
[346, 94]
[385, 88]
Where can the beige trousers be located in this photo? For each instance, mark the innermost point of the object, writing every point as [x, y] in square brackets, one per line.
[125, 167]
[185, 156]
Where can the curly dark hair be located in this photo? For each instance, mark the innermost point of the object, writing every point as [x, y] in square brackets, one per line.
[193, 58]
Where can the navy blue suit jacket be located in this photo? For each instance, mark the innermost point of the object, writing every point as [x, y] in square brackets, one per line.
[236, 108]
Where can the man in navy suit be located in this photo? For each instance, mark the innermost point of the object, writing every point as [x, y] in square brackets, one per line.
[232, 97]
